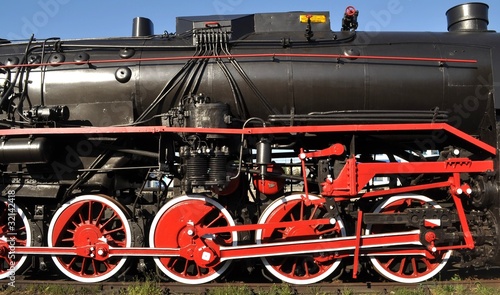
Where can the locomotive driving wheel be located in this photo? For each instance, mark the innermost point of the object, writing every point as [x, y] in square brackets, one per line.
[15, 231]
[174, 227]
[405, 268]
[305, 268]
[92, 224]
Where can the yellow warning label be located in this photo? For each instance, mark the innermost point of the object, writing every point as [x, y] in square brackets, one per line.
[315, 18]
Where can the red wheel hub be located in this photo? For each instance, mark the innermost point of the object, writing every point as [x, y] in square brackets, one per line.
[86, 234]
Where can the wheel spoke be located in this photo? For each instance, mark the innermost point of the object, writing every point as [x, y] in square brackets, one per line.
[220, 216]
[199, 271]
[402, 266]
[389, 262]
[108, 232]
[72, 262]
[106, 264]
[108, 221]
[427, 263]
[83, 267]
[294, 265]
[94, 266]
[82, 220]
[99, 216]
[90, 212]
[313, 213]
[185, 270]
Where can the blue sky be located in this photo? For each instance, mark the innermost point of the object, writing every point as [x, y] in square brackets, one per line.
[113, 18]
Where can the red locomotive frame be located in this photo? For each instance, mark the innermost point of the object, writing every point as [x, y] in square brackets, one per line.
[349, 184]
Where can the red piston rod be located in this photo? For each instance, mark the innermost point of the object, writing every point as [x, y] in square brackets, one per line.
[375, 243]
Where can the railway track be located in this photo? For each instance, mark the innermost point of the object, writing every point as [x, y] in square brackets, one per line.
[489, 283]
[66, 287]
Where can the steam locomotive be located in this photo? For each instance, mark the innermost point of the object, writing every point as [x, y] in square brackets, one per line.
[265, 138]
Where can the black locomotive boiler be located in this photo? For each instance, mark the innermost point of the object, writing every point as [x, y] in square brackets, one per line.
[264, 138]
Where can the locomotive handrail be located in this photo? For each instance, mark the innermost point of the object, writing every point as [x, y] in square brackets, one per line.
[254, 130]
[253, 55]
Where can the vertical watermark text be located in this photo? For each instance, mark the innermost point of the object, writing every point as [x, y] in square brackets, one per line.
[11, 235]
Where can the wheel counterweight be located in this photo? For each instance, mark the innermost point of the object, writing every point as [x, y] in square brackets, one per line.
[94, 223]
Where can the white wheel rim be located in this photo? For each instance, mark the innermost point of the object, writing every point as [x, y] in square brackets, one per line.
[153, 229]
[382, 270]
[125, 224]
[27, 225]
[258, 239]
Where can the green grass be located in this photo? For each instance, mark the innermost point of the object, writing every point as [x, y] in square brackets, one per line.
[149, 286]
[405, 291]
[283, 289]
[230, 290]
[143, 288]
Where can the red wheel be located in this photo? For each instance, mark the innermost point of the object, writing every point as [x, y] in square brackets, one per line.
[306, 268]
[405, 268]
[170, 229]
[14, 231]
[92, 223]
